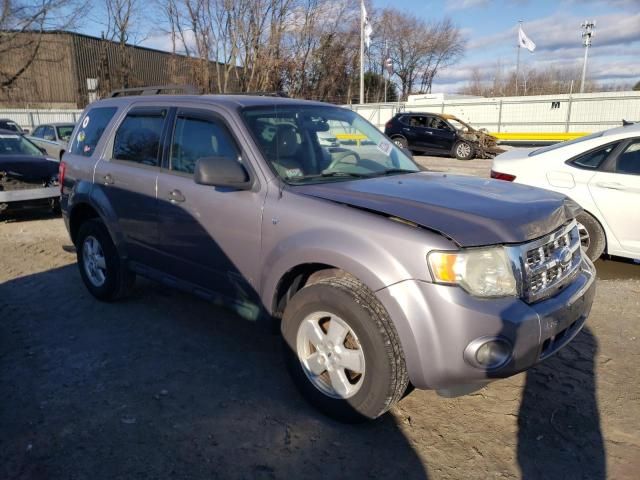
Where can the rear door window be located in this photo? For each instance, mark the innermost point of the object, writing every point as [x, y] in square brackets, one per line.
[49, 133]
[138, 136]
[38, 132]
[91, 128]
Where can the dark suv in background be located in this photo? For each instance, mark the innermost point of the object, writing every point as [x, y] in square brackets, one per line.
[440, 134]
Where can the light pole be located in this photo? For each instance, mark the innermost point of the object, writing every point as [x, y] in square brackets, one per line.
[588, 31]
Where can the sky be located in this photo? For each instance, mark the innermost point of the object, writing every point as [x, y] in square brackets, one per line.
[490, 27]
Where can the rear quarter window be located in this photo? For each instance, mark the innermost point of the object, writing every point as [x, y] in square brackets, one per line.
[90, 130]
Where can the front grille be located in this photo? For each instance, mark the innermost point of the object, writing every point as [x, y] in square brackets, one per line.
[550, 263]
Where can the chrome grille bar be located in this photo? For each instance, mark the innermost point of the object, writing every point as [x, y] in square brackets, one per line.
[548, 264]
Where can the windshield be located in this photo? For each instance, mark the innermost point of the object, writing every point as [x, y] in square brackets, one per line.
[64, 132]
[17, 145]
[457, 124]
[312, 144]
[565, 144]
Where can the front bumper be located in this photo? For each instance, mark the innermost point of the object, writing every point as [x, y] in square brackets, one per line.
[436, 323]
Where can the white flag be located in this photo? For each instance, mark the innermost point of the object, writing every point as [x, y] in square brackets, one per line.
[524, 41]
[368, 29]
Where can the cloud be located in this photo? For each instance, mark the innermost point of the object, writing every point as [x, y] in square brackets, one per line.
[466, 4]
[560, 31]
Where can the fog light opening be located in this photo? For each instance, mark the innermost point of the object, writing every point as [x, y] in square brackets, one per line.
[488, 353]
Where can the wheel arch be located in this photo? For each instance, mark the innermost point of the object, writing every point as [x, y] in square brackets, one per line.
[298, 277]
[604, 230]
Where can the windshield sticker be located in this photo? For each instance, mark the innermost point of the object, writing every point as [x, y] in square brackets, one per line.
[81, 136]
[85, 122]
[293, 172]
[13, 137]
[384, 147]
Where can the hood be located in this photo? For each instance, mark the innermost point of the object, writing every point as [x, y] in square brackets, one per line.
[27, 168]
[471, 211]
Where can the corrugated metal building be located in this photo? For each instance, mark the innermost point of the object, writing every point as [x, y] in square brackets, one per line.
[72, 69]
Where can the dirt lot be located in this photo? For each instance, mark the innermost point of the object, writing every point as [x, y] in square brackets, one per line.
[164, 385]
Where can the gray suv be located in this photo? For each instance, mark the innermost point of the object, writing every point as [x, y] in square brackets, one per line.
[382, 276]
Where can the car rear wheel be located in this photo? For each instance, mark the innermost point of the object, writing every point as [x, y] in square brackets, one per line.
[342, 350]
[101, 269]
[463, 150]
[400, 142]
[592, 236]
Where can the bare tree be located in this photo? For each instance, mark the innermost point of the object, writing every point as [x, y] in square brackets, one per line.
[546, 81]
[419, 50]
[22, 23]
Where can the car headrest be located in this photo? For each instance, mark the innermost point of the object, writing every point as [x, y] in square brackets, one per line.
[286, 140]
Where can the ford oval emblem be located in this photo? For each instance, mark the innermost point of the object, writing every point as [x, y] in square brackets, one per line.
[565, 256]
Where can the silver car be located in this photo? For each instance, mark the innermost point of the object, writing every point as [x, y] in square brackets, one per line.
[381, 276]
[53, 138]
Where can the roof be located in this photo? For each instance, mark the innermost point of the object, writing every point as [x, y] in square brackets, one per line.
[13, 133]
[632, 129]
[56, 124]
[229, 101]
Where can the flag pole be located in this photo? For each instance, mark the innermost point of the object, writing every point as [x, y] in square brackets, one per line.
[361, 52]
[518, 57]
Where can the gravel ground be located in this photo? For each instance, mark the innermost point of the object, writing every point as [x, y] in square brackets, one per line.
[164, 385]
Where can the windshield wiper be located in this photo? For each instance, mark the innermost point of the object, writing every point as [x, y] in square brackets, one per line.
[331, 174]
[397, 170]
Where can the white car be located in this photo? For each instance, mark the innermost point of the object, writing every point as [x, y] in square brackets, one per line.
[601, 172]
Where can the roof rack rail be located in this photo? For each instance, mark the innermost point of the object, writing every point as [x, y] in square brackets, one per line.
[278, 93]
[155, 90]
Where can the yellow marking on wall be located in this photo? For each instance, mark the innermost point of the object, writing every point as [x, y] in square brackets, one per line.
[538, 136]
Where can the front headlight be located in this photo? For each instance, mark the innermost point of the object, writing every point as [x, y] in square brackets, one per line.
[483, 272]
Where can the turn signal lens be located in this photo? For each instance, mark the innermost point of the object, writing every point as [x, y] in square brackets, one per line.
[443, 266]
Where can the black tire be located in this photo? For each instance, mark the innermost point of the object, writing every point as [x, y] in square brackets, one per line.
[385, 378]
[118, 279]
[401, 142]
[595, 241]
[55, 206]
[463, 150]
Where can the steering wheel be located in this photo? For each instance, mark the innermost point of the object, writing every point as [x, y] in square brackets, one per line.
[340, 156]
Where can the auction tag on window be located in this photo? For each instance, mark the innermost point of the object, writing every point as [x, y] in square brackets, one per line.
[13, 137]
[384, 147]
[85, 122]
[81, 136]
[293, 172]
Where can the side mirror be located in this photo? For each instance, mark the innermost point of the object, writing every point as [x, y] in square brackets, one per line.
[42, 150]
[407, 152]
[221, 172]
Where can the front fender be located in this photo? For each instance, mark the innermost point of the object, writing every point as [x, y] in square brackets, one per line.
[373, 265]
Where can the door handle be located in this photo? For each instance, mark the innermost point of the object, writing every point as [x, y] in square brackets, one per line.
[108, 179]
[406, 129]
[428, 132]
[610, 185]
[176, 196]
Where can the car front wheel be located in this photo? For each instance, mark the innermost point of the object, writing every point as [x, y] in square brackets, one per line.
[342, 350]
[463, 150]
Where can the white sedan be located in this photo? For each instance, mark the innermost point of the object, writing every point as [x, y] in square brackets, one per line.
[601, 172]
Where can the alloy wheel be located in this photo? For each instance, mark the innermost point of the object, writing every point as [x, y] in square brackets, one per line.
[331, 355]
